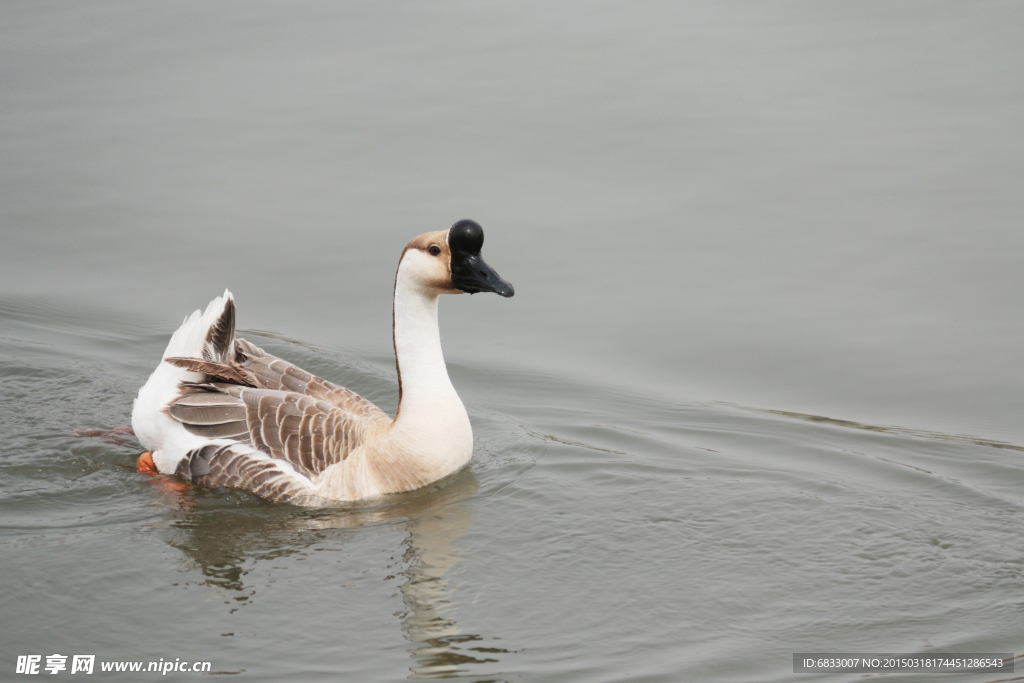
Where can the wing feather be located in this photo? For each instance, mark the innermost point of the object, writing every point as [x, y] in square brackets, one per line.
[271, 372]
[307, 433]
[271, 409]
[231, 430]
[224, 372]
[208, 414]
[239, 466]
[254, 367]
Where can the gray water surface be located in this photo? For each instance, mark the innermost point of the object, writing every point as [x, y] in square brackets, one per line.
[759, 391]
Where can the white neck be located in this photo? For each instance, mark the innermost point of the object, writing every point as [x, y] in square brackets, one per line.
[431, 424]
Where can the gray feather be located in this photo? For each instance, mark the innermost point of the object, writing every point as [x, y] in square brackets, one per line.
[221, 336]
[267, 404]
[238, 466]
[208, 414]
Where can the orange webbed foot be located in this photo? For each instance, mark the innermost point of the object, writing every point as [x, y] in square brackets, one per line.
[167, 485]
[146, 464]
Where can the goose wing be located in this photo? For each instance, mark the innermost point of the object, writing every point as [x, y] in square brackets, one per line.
[254, 367]
[271, 372]
[240, 466]
[308, 433]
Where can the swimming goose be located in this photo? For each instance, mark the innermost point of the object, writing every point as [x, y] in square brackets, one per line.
[219, 411]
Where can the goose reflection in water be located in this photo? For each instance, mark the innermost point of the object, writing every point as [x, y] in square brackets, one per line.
[222, 541]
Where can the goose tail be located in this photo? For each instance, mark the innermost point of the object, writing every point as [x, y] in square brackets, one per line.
[207, 335]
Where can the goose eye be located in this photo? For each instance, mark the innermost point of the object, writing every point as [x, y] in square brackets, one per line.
[434, 250]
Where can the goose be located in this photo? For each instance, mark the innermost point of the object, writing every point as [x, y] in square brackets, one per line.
[220, 411]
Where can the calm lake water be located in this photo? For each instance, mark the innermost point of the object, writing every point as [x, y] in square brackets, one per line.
[760, 390]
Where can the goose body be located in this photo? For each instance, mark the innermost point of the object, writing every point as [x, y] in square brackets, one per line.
[219, 411]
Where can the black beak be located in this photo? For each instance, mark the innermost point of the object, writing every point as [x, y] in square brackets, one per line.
[471, 274]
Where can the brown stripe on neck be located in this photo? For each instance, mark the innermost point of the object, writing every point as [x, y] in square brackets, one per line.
[394, 342]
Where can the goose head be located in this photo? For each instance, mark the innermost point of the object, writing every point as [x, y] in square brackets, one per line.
[449, 262]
